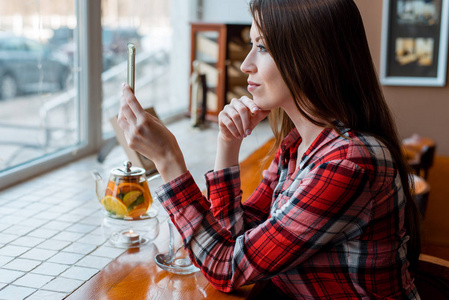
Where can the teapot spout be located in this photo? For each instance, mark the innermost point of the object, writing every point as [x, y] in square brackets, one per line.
[99, 184]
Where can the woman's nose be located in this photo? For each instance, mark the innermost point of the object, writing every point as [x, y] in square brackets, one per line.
[248, 65]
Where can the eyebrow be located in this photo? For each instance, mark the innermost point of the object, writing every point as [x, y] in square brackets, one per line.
[257, 39]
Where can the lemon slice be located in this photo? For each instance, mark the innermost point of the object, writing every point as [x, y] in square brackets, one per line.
[131, 197]
[115, 206]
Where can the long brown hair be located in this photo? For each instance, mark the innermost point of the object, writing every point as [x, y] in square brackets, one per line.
[321, 50]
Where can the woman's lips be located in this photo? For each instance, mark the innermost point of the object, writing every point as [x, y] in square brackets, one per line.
[252, 86]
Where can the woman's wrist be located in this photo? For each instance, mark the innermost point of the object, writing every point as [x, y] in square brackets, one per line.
[171, 166]
[227, 153]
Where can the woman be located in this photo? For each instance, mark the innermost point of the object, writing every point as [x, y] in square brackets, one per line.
[333, 217]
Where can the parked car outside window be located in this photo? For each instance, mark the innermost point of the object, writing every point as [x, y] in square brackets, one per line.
[27, 66]
[115, 41]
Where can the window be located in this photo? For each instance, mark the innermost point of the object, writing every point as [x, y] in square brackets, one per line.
[60, 82]
[146, 24]
[39, 103]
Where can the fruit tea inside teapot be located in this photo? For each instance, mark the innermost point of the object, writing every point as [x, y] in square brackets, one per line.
[126, 194]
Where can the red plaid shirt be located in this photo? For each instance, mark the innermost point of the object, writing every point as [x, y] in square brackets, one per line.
[332, 228]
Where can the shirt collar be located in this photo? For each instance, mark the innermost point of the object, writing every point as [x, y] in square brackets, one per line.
[293, 139]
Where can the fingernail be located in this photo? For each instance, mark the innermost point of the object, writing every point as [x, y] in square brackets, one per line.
[248, 131]
[123, 84]
[254, 108]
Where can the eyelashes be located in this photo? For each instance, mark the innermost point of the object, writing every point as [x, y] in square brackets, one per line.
[261, 47]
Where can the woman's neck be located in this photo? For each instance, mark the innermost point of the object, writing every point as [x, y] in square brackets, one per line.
[307, 130]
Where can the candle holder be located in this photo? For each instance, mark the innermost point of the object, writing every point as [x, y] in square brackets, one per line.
[130, 233]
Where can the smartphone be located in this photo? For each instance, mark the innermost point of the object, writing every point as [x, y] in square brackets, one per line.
[131, 66]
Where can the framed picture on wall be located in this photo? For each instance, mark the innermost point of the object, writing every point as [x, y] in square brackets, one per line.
[414, 42]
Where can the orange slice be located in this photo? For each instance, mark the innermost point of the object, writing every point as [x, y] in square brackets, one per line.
[128, 187]
[112, 189]
[137, 212]
[147, 195]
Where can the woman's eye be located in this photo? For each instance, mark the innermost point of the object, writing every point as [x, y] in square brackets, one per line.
[262, 48]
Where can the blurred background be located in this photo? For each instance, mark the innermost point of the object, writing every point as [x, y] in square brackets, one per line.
[40, 67]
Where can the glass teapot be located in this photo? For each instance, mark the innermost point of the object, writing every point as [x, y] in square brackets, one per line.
[126, 194]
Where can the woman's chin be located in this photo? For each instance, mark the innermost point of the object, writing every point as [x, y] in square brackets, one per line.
[258, 102]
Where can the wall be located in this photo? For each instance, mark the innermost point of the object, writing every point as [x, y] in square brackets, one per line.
[229, 11]
[423, 110]
[182, 13]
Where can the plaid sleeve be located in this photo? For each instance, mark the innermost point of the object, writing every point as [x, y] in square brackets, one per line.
[331, 203]
[225, 195]
[184, 203]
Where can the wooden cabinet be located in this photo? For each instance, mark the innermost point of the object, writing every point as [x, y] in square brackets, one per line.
[219, 50]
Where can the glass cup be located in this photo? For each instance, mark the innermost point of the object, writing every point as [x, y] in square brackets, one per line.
[177, 259]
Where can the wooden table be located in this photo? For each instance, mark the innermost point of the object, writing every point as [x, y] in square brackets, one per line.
[411, 153]
[135, 275]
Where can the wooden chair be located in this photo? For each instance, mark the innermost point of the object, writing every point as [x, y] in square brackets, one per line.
[432, 278]
[421, 153]
[420, 193]
[426, 161]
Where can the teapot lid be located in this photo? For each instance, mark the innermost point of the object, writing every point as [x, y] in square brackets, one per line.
[128, 170]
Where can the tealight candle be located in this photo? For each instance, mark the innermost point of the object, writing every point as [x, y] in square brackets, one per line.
[130, 237]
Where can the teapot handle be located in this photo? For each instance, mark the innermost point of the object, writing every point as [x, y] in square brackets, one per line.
[99, 188]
